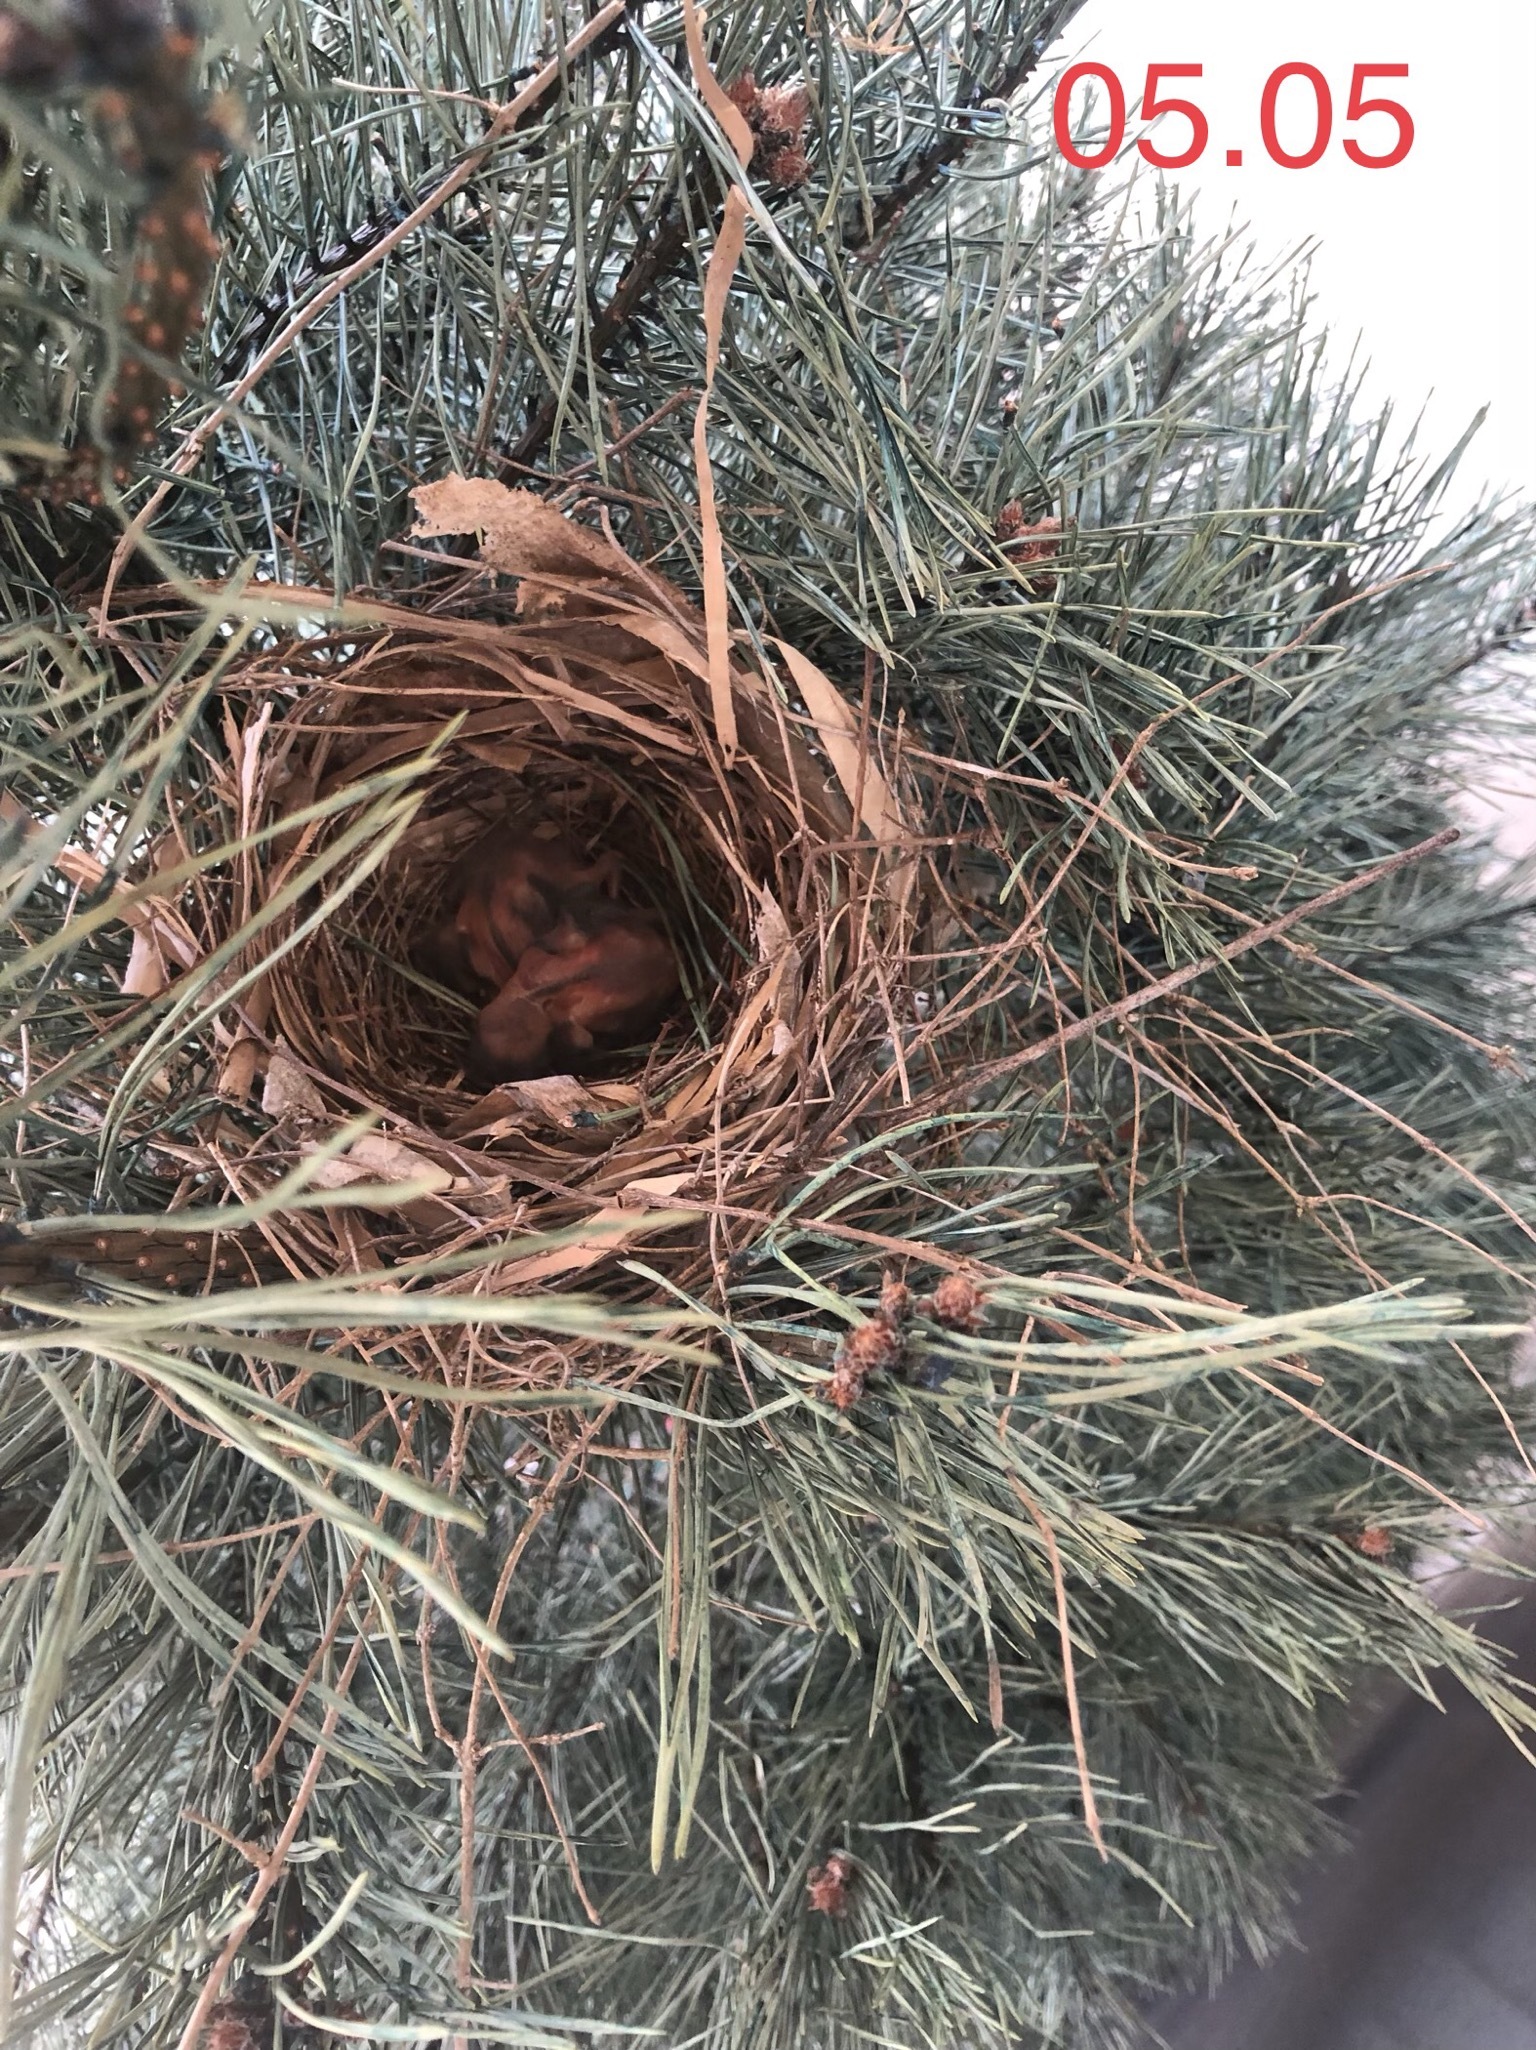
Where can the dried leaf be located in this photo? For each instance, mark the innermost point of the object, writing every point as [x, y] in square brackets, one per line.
[376, 1158]
[723, 260]
[161, 927]
[738, 130]
[771, 932]
[854, 766]
[146, 974]
[724, 257]
[500, 754]
[616, 1225]
[388, 1161]
[558, 1100]
[289, 1090]
[522, 535]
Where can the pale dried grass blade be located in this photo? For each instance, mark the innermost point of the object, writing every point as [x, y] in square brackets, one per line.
[838, 731]
[723, 260]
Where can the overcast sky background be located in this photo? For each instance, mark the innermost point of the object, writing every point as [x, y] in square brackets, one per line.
[1430, 265]
[1433, 262]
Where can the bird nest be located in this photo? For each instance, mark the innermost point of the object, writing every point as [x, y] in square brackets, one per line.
[753, 824]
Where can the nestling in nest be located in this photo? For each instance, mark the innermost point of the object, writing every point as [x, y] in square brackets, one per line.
[570, 971]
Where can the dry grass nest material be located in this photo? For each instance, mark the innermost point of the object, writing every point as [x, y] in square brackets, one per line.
[733, 812]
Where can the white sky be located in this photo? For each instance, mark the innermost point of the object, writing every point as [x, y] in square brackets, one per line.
[1432, 264]
[1432, 261]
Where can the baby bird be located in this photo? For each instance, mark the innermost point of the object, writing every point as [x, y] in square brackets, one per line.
[508, 890]
[602, 975]
[602, 972]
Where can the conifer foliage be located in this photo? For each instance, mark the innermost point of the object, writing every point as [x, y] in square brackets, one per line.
[851, 1523]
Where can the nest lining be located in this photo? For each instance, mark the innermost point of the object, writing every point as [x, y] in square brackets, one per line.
[359, 1007]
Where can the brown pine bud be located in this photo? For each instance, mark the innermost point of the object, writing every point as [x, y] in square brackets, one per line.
[743, 94]
[1027, 543]
[783, 109]
[777, 115]
[868, 1349]
[1009, 521]
[237, 2025]
[957, 1302]
[828, 1886]
[895, 1300]
[787, 169]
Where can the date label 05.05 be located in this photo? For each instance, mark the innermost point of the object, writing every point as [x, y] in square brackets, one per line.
[1296, 118]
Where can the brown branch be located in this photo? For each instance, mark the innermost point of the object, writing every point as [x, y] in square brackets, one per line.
[1372, 1452]
[276, 1860]
[1272, 1049]
[172, 1547]
[169, 1257]
[649, 264]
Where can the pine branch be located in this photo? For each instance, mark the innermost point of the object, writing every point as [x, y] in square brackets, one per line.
[666, 245]
[949, 150]
[1258, 936]
[656, 258]
[264, 319]
[1076, 1531]
[80, 1257]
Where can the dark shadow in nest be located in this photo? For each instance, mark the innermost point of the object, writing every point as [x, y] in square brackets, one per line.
[382, 1015]
[369, 970]
[656, 876]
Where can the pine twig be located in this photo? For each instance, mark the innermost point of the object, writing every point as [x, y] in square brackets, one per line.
[165, 1258]
[669, 241]
[507, 120]
[263, 321]
[1042, 1523]
[947, 150]
[1124, 1007]
[651, 262]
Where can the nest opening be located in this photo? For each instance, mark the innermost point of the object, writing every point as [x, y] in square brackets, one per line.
[360, 1001]
[353, 999]
[742, 868]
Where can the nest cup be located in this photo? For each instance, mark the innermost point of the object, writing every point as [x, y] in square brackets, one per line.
[593, 711]
[351, 1001]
